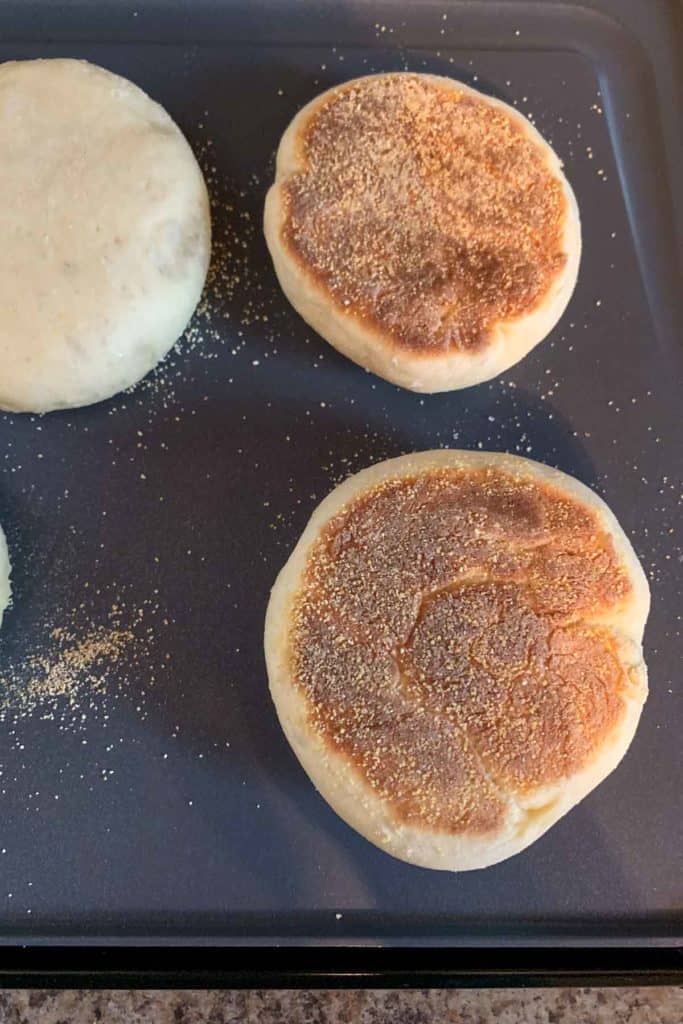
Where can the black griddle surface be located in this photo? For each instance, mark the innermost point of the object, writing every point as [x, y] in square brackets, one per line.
[166, 805]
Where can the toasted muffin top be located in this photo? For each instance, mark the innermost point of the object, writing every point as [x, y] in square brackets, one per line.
[449, 637]
[427, 210]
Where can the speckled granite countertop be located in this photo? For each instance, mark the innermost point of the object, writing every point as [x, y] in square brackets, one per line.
[492, 1006]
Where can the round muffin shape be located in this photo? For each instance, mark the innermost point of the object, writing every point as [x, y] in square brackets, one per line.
[106, 234]
[454, 652]
[5, 590]
[423, 229]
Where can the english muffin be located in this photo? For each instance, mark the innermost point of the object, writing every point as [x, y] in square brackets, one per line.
[454, 652]
[422, 228]
[104, 219]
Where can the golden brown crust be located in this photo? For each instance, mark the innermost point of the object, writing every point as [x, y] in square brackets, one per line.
[425, 211]
[447, 639]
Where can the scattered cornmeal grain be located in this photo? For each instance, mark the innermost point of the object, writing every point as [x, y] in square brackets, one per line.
[74, 659]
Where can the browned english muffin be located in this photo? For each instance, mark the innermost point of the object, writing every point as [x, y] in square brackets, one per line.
[425, 230]
[454, 652]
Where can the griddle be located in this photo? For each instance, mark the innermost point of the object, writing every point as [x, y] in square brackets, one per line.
[166, 808]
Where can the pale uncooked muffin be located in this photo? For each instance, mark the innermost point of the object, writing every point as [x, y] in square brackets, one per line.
[425, 230]
[4, 575]
[106, 236]
[454, 649]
